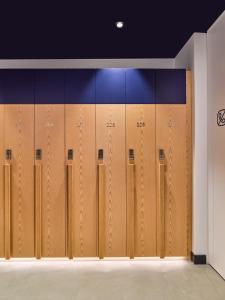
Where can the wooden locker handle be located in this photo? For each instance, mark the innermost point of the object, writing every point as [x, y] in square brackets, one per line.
[162, 202]
[38, 205]
[7, 195]
[131, 205]
[70, 245]
[101, 204]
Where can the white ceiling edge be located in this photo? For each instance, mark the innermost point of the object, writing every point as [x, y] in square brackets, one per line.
[164, 63]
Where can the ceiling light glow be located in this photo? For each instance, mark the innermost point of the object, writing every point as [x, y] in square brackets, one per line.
[119, 24]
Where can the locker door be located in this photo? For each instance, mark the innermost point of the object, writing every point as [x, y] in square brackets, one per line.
[19, 138]
[140, 133]
[173, 134]
[49, 139]
[110, 136]
[171, 128]
[2, 180]
[80, 137]
[17, 106]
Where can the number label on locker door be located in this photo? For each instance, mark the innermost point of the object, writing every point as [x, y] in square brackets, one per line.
[110, 124]
[140, 124]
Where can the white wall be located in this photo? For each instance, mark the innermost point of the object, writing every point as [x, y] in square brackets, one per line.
[194, 57]
[216, 140]
[87, 63]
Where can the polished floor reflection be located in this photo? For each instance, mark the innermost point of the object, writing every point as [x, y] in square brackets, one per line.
[101, 280]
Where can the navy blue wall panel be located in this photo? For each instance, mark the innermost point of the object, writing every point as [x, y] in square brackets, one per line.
[170, 86]
[110, 86]
[50, 86]
[93, 86]
[16, 86]
[80, 86]
[140, 86]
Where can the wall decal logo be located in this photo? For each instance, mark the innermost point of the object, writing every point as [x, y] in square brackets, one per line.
[221, 117]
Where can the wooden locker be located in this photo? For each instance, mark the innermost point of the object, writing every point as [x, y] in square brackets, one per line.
[140, 136]
[173, 135]
[49, 138]
[110, 136]
[80, 137]
[2, 227]
[19, 138]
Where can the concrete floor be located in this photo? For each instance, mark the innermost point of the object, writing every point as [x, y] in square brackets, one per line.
[152, 280]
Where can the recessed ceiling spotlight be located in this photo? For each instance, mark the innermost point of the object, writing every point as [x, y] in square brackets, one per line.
[119, 24]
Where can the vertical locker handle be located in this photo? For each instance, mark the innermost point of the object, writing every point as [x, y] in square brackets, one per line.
[7, 196]
[162, 201]
[70, 199]
[131, 204]
[38, 204]
[101, 203]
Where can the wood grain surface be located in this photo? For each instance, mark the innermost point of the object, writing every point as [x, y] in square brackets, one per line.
[69, 207]
[131, 198]
[49, 137]
[2, 227]
[80, 136]
[162, 207]
[110, 136]
[171, 137]
[38, 209]
[140, 136]
[19, 137]
[101, 209]
[7, 206]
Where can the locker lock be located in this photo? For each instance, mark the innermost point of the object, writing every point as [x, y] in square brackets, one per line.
[100, 154]
[8, 154]
[70, 154]
[38, 154]
[161, 154]
[131, 154]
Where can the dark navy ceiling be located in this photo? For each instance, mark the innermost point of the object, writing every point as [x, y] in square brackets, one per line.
[81, 29]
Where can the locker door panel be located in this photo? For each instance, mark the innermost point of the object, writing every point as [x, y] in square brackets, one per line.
[80, 136]
[19, 137]
[1, 180]
[49, 137]
[171, 136]
[110, 136]
[140, 134]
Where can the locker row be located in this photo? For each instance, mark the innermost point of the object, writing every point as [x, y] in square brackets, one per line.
[95, 180]
[89, 86]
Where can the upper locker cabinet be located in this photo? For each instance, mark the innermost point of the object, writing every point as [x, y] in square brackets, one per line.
[173, 136]
[17, 94]
[110, 140]
[81, 159]
[140, 137]
[50, 155]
